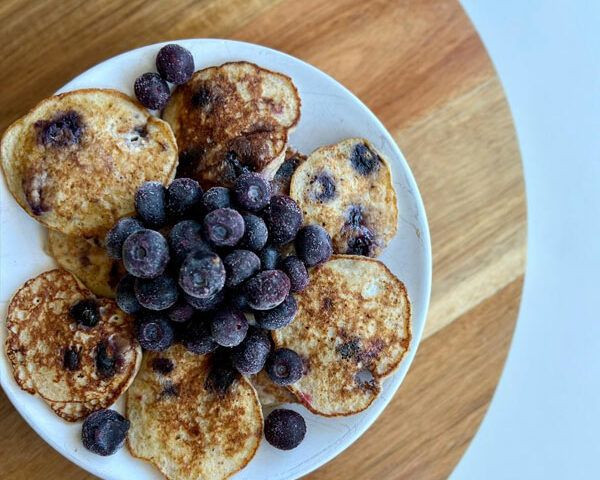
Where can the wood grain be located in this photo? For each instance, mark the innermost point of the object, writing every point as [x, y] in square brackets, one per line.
[420, 66]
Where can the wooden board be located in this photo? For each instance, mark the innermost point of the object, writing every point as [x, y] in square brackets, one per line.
[420, 66]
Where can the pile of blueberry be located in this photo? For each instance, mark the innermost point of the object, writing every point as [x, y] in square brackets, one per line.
[175, 64]
[198, 262]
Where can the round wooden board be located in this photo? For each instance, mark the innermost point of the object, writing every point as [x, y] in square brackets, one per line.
[420, 66]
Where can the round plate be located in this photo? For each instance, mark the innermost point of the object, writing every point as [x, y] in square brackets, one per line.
[329, 113]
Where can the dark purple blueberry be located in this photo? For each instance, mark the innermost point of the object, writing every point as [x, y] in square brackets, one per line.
[145, 254]
[125, 295]
[283, 218]
[202, 275]
[181, 312]
[281, 180]
[151, 91]
[65, 129]
[206, 304]
[186, 237]
[269, 258]
[285, 429]
[313, 245]
[233, 167]
[216, 197]
[237, 299]
[154, 332]
[157, 293]
[106, 360]
[224, 227]
[252, 192]
[364, 160]
[323, 189]
[256, 233]
[267, 289]
[228, 327]
[85, 312]
[164, 366]
[150, 204]
[284, 366]
[104, 432]
[222, 374]
[183, 197]
[354, 217]
[295, 269]
[196, 337]
[175, 63]
[362, 242]
[240, 265]
[118, 234]
[72, 358]
[249, 357]
[278, 317]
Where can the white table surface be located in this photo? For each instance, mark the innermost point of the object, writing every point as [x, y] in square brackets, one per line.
[544, 421]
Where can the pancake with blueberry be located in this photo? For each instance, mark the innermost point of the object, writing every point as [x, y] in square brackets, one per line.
[232, 119]
[77, 352]
[270, 394]
[352, 329]
[192, 415]
[88, 260]
[347, 188]
[75, 161]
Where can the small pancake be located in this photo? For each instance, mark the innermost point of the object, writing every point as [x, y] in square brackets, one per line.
[75, 161]
[347, 188]
[40, 329]
[231, 118]
[88, 260]
[269, 394]
[352, 329]
[186, 429]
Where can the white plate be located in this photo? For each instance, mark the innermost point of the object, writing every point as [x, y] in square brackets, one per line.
[329, 113]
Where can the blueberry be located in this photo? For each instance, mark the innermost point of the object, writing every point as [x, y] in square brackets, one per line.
[255, 233]
[324, 189]
[221, 374]
[216, 197]
[362, 242]
[354, 217]
[269, 258]
[238, 300]
[296, 271]
[157, 293]
[252, 191]
[283, 218]
[65, 129]
[228, 327]
[164, 366]
[186, 237]
[206, 304]
[197, 337]
[72, 358]
[183, 197]
[175, 63]
[85, 312]
[313, 245]
[104, 432]
[125, 295]
[145, 254]
[154, 332]
[267, 289]
[284, 366]
[181, 312]
[364, 160]
[224, 227]
[281, 180]
[249, 357]
[150, 204]
[278, 317]
[285, 429]
[188, 162]
[151, 91]
[106, 360]
[240, 265]
[118, 234]
[202, 275]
